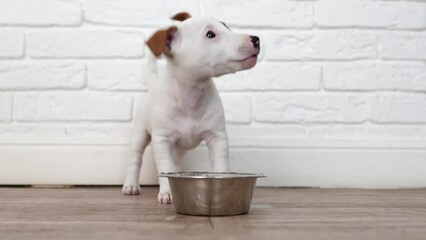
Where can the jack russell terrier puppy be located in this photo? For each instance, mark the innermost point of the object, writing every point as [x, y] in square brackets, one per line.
[183, 107]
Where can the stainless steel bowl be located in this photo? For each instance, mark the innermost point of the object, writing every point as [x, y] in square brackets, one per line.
[210, 193]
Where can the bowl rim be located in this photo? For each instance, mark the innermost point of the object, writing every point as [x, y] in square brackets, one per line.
[210, 175]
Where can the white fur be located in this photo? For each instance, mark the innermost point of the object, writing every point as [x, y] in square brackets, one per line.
[183, 107]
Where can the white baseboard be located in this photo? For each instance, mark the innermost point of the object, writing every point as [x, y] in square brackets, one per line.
[305, 165]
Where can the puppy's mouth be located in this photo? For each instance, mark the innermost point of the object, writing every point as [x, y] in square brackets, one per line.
[252, 57]
[245, 63]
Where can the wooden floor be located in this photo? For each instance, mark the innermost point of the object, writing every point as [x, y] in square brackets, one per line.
[103, 213]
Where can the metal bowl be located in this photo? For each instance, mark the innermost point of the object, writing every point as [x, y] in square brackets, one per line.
[212, 193]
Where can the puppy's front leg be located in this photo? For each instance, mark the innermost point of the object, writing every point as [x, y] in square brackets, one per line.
[140, 141]
[218, 150]
[163, 158]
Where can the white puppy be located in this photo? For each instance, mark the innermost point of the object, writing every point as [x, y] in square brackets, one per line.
[182, 106]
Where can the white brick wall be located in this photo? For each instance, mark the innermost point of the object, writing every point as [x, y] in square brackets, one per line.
[116, 75]
[329, 69]
[399, 108]
[11, 44]
[273, 76]
[42, 75]
[275, 14]
[402, 45]
[40, 13]
[311, 108]
[85, 44]
[136, 12]
[237, 109]
[5, 108]
[404, 76]
[321, 45]
[371, 14]
[72, 107]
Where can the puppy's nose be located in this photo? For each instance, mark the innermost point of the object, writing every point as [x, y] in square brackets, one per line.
[256, 41]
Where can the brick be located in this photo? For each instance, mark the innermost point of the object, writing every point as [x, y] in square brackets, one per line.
[85, 44]
[380, 131]
[117, 75]
[366, 13]
[136, 12]
[33, 76]
[272, 76]
[237, 109]
[73, 107]
[5, 108]
[375, 76]
[29, 130]
[76, 133]
[308, 108]
[239, 132]
[118, 133]
[373, 131]
[322, 45]
[277, 14]
[403, 46]
[70, 134]
[11, 44]
[40, 13]
[399, 108]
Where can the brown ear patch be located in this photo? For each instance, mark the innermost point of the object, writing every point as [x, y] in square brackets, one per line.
[182, 16]
[161, 41]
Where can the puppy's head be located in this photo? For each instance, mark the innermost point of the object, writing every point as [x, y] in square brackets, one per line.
[205, 46]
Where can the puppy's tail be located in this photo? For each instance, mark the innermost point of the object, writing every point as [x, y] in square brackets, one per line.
[151, 67]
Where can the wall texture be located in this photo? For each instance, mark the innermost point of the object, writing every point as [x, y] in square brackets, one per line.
[333, 74]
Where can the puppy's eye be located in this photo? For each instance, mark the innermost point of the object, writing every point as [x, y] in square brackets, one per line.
[210, 34]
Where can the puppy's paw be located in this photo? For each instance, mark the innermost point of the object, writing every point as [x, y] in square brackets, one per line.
[131, 189]
[165, 197]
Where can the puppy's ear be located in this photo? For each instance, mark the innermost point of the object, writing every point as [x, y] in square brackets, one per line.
[182, 16]
[161, 42]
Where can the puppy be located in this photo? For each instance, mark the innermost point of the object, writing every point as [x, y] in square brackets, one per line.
[183, 107]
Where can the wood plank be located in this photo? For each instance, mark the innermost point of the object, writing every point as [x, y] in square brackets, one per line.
[276, 213]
